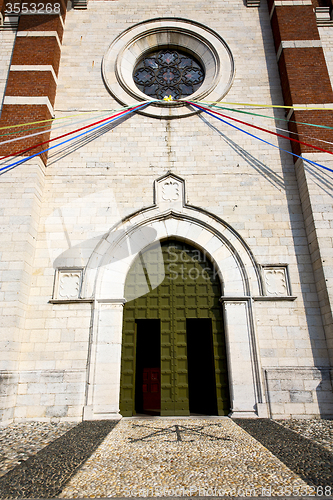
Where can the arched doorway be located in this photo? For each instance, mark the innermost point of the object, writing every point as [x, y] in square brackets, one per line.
[173, 349]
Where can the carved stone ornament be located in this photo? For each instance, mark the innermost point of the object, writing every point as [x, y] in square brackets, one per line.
[276, 281]
[170, 191]
[69, 284]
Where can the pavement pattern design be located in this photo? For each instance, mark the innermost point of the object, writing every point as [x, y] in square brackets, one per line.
[180, 457]
[155, 456]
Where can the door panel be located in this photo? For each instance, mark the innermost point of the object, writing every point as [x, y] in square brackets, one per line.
[151, 390]
[148, 355]
[127, 384]
[201, 369]
[190, 289]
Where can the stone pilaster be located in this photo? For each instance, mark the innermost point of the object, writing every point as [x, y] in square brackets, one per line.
[305, 82]
[103, 380]
[20, 208]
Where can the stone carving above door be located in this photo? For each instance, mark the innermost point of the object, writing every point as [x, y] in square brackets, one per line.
[170, 192]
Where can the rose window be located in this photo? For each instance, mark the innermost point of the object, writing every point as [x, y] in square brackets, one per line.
[168, 72]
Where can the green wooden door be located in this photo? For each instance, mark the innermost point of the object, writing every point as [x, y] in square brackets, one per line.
[190, 289]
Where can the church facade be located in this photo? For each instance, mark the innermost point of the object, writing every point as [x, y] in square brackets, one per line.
[158, 254]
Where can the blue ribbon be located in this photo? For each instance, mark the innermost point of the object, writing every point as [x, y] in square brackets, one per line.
[72, 138]
[262, 140]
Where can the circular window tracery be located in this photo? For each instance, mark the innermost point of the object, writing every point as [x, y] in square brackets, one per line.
[175, 34]
[168, 72]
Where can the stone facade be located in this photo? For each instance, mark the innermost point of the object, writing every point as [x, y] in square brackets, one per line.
[265, 221]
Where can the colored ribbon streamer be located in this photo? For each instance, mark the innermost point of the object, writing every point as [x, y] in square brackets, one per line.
[296, 108]
[65, 135]
[270, 132]
[72, 138]
[265, 116]
[281, 119]
[45, 131]
[62, 117]
[258, 138]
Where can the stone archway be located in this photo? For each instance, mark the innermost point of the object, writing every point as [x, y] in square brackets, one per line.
[105, 278]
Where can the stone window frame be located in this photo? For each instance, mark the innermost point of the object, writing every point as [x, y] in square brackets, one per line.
[182, 34]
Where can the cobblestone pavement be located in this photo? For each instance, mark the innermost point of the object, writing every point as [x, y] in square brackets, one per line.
[158, 455]
[318, 430]
[44, 474]
[21, 441]
[311, 461]
[161, 456]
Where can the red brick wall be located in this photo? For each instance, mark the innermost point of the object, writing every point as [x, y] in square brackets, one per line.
[32, 50]
[309, 134]
[304, 76]
[37, 50]
[2, 7]
[36, 83]
[41, 23]
[294, 23]
[15, 114]
[303, 73]
[322, 3]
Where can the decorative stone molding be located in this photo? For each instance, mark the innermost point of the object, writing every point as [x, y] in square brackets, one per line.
[9, 23]
[170, 191]
[296, 44]
[35, 67]
[67, 284]
[111, 259]
[276, 281]
[189, 36]
[272, 298]
[252, 3]
[323, 16]
[80, 4]
[288, 3]
[105, 276]
[71, 301]
[29, 101]
[308, 107]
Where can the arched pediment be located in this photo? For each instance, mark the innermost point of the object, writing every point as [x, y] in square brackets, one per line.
[171, 217]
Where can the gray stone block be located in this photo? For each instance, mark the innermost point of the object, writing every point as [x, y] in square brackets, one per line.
[56, 411]
[301, 397]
